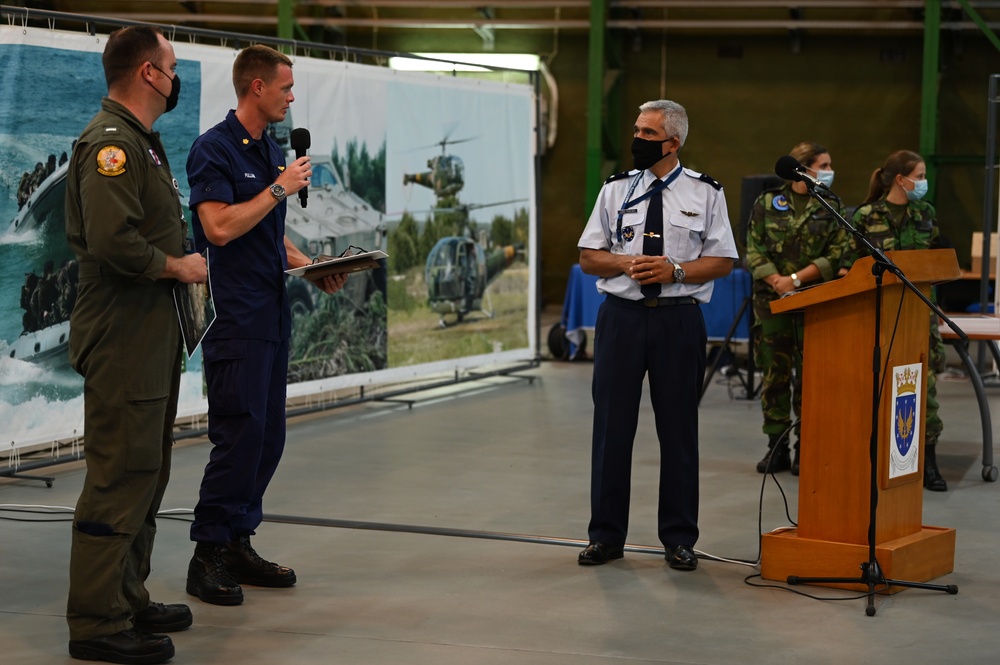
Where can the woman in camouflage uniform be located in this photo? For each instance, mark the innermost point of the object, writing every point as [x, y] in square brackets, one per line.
[894, 216]
[792, 241]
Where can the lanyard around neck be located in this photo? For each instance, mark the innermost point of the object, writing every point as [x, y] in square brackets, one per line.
[639, 199]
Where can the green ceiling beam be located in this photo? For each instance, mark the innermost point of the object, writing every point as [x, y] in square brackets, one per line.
[595, 103]
[929, 90]
[978, 20]
[286, 19]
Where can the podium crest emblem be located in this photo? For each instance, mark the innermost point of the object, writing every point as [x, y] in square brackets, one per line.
[906, 407]
[905, 419]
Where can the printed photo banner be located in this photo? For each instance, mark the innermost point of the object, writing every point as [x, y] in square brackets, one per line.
[436, 171]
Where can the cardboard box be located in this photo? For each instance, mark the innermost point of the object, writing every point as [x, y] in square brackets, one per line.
[977, 252]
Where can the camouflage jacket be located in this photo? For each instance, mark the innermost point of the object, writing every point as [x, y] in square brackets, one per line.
[782, 240]
[917, 229]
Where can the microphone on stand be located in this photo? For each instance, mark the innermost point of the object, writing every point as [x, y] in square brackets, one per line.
[788, 168]
[300, 143]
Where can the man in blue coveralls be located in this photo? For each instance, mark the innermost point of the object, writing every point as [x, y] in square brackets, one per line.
[239, 182]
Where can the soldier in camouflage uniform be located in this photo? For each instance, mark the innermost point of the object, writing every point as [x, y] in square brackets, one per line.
[893, 216]
[793, 240]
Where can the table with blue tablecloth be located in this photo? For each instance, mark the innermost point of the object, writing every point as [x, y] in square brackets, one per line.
[583, 300]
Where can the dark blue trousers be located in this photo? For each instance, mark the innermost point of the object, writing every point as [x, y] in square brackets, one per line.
[667, 344]
[246, 423]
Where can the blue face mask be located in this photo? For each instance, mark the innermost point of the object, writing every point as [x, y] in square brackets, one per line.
[825, 177]
[919, 190]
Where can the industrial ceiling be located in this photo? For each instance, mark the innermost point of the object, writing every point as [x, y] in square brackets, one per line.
[340, 20]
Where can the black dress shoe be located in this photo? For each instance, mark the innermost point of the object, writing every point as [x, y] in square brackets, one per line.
[208, 579]
[248, 567]
[127, 647]
[681, 557]
[597, 553]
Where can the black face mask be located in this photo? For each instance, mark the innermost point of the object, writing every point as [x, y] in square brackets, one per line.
[646, 153]
[175, 90]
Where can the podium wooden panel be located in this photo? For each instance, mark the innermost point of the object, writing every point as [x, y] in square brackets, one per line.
[834, 484]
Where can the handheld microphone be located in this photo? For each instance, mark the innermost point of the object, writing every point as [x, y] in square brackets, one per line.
[300, 143]
[788, 168]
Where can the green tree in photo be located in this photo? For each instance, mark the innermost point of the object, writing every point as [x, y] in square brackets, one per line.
[501, 231]
[403, 245]
[522, 227]
[363, 173]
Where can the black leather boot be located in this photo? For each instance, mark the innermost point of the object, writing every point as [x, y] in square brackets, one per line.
[208, 579]
[933, 480]
[128, 646]
[248, 567]
[777, 458]
[160, 618]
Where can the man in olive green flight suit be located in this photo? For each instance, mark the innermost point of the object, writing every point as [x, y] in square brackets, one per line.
[125, 223]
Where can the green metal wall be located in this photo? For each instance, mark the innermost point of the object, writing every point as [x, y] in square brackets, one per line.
[750, 99]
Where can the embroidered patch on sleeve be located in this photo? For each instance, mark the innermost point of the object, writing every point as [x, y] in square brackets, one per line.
[111, 161]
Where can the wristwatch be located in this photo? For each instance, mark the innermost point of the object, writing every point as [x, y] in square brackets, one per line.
[679, 273]
[277, 191]
[796, 282]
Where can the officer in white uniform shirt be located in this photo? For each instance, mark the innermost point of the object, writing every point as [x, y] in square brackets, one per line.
[655, 263]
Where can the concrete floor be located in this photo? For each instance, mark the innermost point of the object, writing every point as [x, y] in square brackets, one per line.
[506, 456]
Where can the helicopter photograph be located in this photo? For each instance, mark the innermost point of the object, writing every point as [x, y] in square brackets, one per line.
[459, 256]
[458, 269]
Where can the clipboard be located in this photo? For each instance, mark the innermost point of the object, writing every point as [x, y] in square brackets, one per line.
[340, 264]
[195, 310]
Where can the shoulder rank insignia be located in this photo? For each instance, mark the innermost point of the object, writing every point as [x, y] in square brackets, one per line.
[704, 178]
[111, 161]
[688, 213]
[780, 203]
[616, 176]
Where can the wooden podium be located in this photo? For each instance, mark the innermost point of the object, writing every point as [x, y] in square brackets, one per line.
[834, 486]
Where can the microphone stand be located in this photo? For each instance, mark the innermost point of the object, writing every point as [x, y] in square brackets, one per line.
[871, 572]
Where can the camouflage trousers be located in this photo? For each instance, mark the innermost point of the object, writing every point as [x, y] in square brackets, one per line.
[778, 353]
[936, 362]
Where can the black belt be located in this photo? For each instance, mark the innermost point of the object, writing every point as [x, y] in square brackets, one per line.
[658, 302]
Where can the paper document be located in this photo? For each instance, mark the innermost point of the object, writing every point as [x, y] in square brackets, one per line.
[340, 264]
[195, 310]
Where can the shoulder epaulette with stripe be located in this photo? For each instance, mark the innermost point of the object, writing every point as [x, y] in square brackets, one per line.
[616, 176]
[706, 178]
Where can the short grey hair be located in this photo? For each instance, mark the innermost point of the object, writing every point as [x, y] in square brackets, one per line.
[675, 118]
